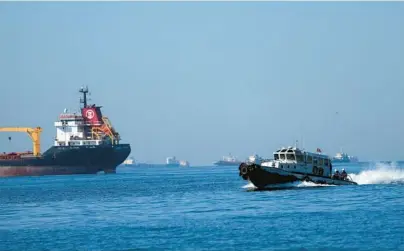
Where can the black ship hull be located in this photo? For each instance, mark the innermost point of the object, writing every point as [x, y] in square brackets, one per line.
[62, 160]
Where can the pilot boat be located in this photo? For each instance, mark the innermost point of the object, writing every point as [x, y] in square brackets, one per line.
[292, 164]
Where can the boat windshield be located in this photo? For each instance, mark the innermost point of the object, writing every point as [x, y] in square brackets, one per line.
[290, 156]
[282, 155]
[276, 156]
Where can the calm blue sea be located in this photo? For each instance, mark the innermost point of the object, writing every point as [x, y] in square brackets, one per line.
[201, 208]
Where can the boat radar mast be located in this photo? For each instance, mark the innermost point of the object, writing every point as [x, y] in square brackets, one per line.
[83, 100]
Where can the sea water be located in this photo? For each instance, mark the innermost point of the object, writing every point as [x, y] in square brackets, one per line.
[201, 208]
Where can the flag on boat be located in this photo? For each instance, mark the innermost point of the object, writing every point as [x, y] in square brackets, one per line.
[318, 150]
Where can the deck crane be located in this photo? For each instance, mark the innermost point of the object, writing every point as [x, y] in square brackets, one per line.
[34, 134]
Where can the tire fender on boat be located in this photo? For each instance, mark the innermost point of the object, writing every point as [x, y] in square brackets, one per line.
[243, 170]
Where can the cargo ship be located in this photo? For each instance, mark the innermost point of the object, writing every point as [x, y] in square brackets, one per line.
[173, 162]
[85, 143]
[227, 161]
[344, 158]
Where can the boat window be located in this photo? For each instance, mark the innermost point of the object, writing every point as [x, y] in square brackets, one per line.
[282, 156]
[326, 162]
[290, 156]
[276, 156]
[315, 161]
[309, 159]
[299, 158]
[320, 162]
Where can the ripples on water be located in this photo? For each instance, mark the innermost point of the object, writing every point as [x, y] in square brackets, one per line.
[201, 208]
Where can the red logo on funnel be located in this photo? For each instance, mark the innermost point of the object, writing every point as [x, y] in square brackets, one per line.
[90, 114]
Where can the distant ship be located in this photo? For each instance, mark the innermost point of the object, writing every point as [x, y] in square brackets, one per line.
[131, 162]
[255, 159]
[228, 161]
[173, 162]
[342, 157]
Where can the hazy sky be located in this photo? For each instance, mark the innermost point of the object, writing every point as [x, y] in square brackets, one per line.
[200, 80]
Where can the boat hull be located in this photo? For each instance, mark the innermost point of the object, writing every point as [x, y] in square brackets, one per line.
[263, 176]
[64, 160]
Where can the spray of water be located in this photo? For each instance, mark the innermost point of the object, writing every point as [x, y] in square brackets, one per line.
[380, 174]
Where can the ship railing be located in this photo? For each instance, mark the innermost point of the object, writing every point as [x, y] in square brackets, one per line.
[99, 132]
[78, 142]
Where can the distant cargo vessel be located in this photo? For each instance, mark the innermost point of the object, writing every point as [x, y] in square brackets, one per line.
[173, 162]
[85, 143]
[342, 157]
[228, 161]
[131, 162]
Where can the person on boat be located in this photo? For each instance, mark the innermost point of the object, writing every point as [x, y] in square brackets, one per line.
[344, 175]
[336, 175]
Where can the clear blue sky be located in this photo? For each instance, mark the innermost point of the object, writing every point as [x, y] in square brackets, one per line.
[200, 80]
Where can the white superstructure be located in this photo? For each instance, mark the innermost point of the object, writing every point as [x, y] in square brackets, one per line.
[172, 161]
[89, 127]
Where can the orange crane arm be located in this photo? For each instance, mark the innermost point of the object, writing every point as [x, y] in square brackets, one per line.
[34, 134]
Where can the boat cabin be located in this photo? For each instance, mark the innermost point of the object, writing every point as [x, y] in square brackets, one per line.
[296, 160]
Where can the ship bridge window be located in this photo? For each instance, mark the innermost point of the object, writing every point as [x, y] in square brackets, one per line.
[290, 156]
[282, 156]
[315, 161]
[326, 162]
[321, 162]
[299, 158]
[276, 156]
[309, 159]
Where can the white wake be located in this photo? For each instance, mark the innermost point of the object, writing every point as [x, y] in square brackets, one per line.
[250, 186]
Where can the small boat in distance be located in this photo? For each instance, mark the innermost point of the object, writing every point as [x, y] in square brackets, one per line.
[292, 164]
[228, 161]
[132, 162]
[129, 162]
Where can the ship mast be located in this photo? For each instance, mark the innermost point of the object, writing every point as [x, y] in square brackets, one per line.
[83, 100]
